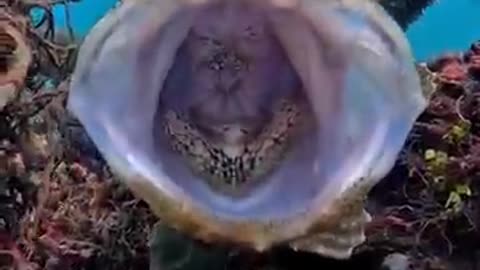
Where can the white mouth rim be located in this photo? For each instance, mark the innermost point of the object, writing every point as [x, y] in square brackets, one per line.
[105, 135]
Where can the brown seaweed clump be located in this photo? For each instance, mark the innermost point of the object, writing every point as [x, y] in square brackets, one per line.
[59, 206]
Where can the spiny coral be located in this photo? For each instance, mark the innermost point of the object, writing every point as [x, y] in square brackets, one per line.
[405, 11]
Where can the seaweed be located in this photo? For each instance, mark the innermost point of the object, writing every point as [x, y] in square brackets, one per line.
[429, 202]
[60, 208]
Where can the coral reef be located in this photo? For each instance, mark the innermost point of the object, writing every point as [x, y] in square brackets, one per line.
[431, 206]
[59, 206]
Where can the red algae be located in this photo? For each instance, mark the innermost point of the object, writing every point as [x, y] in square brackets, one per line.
[432, 191]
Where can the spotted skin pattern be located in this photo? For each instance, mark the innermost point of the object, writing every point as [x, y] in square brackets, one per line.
[231, 171]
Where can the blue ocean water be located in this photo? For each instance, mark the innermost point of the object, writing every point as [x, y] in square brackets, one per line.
[450, 25]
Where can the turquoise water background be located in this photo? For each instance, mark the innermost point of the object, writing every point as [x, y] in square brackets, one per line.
[448, 26]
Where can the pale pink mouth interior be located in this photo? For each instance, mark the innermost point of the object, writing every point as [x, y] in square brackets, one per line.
[202, 91]
[230, 65]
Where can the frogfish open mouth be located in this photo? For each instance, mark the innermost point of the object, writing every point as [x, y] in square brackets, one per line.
[253, 122]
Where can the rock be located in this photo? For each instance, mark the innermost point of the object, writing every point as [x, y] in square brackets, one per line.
[396, 261]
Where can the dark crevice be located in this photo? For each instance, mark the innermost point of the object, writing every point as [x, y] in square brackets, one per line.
[8, 45]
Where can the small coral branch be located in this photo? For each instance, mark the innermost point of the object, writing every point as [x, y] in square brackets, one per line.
[405, 12]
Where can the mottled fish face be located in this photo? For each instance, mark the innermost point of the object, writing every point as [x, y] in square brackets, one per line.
[232, 103]
[233, 65]
[255, 122]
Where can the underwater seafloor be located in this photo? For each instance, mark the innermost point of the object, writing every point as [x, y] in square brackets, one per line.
[61, 208]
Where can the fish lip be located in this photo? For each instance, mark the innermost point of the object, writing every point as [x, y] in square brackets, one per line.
[261, 235]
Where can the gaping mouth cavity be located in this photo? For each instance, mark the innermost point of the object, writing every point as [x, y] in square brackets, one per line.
[232, 105]
[8, 45]
[244, 109]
